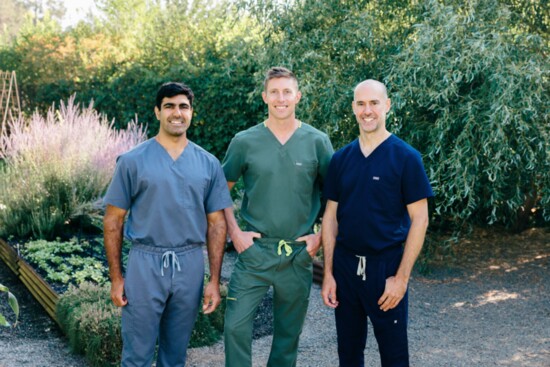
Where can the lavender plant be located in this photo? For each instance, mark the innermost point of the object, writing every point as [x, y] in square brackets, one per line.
[56, 164]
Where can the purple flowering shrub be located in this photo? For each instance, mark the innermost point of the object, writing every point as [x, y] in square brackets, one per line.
[54, 166]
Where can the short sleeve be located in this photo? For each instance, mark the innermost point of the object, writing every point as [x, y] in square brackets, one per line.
[331, 190]
[325, 156]
[119, 192]
[218, 196]
[233, 161]
[415, 183]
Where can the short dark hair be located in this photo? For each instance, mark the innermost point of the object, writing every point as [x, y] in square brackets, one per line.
[172, 89]
[278, 72]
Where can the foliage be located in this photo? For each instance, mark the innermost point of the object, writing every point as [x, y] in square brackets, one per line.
[468, 88]
[14, 305]
[469, 93]
[54, 165]
[66, 262]
[121, 60]
[331, 46]
[209, 328]
[11, 18]
[92, 324]
[487, 80]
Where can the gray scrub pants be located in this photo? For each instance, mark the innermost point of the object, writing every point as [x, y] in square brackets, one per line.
[163, 287]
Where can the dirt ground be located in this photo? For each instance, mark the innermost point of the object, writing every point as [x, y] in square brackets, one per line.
[487, 305]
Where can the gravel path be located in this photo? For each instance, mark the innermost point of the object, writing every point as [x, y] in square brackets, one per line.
[488, 308]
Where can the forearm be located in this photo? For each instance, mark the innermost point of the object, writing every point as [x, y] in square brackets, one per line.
[232, 225]
[413, 246]
[112, 239]
[329, 230]
[216, 236]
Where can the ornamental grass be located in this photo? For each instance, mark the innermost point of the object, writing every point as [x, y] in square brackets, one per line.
[54, 166]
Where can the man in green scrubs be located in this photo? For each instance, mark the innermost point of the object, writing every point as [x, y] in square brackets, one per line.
[282, 162]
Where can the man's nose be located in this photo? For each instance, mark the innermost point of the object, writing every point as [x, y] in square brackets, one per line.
[367, 109]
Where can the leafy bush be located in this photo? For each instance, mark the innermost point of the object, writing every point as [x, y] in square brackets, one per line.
[470, 91]
[93, 324]
[209, 328]
[468, 82]
[55, 165]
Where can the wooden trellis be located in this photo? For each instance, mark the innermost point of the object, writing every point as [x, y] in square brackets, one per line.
[10, 105]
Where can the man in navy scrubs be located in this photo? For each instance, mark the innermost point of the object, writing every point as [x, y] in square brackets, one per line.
[373, 229]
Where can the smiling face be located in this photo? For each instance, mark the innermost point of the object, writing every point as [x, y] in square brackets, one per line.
[370, 106]
[281, 96]
[174, 115]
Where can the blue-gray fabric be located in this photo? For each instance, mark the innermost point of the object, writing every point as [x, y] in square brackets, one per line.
[168, 199]
[160, 307]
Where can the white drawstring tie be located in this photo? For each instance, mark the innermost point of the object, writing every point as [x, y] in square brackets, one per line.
[167, 258]
[361, 268]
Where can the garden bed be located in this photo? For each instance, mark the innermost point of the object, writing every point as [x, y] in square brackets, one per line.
[36, 285]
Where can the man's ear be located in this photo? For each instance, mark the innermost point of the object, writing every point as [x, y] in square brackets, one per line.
[157, 113]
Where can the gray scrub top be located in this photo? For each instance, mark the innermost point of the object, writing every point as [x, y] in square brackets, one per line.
[167, 199]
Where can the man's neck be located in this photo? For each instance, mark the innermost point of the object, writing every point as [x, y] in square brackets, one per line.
[370, 141]
[282, 126]
[174, 145]
[282, 129]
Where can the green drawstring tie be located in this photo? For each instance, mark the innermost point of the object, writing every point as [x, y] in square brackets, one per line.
[288, 249]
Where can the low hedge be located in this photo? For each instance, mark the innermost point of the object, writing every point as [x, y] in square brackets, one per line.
[93, 325]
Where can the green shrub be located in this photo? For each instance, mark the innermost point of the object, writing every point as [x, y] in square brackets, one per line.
[470, 91]
[55, 165]
[208, 328]
[91, 323]
[93, 326]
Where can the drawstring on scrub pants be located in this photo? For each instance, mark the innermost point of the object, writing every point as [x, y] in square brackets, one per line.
[167, 258]
[288, 249]
[362, 266]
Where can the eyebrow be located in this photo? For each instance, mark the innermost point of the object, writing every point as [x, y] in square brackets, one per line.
[170, 104]
[367, 101]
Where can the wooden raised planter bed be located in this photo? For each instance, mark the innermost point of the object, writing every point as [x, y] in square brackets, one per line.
[41, 290]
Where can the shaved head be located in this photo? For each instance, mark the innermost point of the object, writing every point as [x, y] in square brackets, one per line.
[371, 83]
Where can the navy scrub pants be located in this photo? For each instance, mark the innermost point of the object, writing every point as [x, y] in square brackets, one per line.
[163, 287]
[358, 299]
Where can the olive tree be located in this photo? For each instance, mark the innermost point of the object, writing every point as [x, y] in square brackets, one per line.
[470, 92]
[468, 84]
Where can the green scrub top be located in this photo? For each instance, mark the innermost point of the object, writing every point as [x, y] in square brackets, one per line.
[282, 195]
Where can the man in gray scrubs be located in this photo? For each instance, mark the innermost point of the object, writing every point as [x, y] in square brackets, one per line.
[175, 193]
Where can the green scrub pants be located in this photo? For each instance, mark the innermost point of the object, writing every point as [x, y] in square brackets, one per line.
[287, 266]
